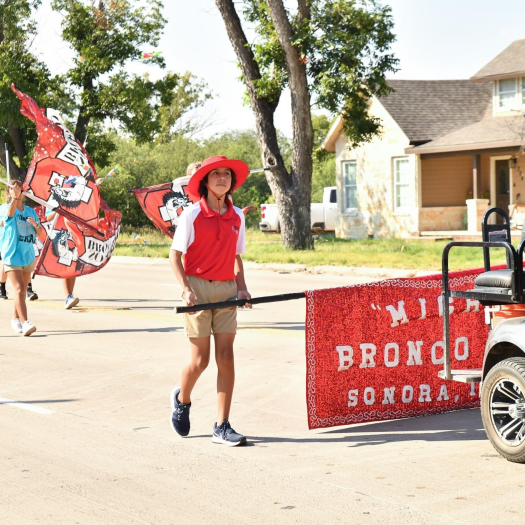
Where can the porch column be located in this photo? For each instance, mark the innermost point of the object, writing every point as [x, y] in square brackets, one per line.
[476, 207]
[475, 175]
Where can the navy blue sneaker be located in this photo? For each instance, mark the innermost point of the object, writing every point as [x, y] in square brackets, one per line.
[225, 435]
[180, 414]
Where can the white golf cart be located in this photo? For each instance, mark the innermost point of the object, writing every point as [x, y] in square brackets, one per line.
[502, 377]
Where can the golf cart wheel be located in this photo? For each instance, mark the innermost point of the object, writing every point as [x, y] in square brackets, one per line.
[503, 408]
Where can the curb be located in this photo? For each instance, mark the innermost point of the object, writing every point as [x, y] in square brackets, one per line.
[354, 271]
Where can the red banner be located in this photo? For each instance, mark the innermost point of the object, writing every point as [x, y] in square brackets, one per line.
[61, 172]
[374, 351]
[164, 203]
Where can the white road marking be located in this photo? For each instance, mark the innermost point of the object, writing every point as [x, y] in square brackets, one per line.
[25, 406]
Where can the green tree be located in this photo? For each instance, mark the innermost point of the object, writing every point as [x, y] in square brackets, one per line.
[331, 53]
[19, 66]
[107, 35]
[142, 165]
[189, 94]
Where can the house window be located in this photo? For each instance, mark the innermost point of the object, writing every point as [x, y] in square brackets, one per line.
[349, 185]
[507, 93]
[402, 182]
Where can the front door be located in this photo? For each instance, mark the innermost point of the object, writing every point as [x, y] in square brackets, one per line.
[502, 187]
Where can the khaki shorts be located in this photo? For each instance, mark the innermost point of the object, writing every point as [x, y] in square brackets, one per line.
[220, 321]
[25, 269]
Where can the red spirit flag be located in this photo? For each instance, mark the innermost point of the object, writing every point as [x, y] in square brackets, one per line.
[71, 251]
[373, 351]
[61, 172]
[164, 203]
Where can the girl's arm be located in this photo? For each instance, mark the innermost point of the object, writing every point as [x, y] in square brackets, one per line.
[36, 225]
[11, 209]
[178, 270]
[242, 291]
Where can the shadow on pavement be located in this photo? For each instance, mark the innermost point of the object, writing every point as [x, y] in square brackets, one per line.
[464, 425]
[129, 300]
[277, 326]
[138, 308]
[37, 401]
[116, 331]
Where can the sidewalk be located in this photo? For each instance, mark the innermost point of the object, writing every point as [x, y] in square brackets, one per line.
[373, 273]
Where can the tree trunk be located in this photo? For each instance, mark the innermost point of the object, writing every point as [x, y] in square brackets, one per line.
[81, 127]
[83, 117]
[18, 142]
[292, 191]
[302, 131]
[15, 172]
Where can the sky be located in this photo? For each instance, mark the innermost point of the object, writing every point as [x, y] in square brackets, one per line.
[436, 39]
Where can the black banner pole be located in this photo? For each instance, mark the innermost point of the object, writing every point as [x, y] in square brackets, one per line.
[240, 302]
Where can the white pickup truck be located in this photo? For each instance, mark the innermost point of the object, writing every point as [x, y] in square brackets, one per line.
[322, 214]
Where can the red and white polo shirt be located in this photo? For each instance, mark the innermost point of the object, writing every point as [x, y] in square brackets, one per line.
[210, 241]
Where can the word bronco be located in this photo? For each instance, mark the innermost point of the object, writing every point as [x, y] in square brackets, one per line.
[97, 251]
[391, 354]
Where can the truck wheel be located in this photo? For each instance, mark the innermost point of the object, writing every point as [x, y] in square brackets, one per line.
[278, 228]
[503, 408]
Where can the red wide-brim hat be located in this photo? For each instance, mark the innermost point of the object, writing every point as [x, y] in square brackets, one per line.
[239, 167]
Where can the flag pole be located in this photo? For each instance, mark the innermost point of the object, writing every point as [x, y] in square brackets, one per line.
[239, 302]
[7, 163]
[256, 170]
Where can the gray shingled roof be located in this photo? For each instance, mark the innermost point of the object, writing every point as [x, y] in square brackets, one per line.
[492, 132]
[428, 109]
[510, 62]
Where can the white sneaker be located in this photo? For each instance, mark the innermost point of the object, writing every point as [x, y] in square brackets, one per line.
[16, 325]
[71, 301]
[28, 328]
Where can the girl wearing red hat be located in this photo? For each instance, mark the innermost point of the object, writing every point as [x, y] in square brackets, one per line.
[210, 235]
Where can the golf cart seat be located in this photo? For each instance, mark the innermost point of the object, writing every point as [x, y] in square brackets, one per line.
[499, 280]
[491, 288]
[506, 282]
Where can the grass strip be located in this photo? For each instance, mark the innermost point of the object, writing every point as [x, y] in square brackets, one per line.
[410, 254]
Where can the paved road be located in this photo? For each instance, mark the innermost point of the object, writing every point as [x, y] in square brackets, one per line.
[91, 443]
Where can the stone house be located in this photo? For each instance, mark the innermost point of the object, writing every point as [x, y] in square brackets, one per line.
[448, 150]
